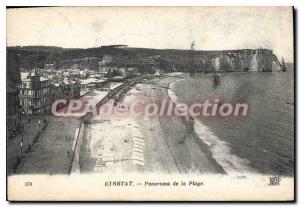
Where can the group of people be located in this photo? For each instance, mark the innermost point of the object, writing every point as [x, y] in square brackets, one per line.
[68, 137]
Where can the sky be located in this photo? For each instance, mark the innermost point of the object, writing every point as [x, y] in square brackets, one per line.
[210, 28]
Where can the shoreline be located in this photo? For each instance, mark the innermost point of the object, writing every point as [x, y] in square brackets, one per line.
[180, 139]
[170, 145]
[186, 143]
[215, 145]
[159, 144]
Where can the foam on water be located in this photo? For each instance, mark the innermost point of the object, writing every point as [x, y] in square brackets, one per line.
[221, 151]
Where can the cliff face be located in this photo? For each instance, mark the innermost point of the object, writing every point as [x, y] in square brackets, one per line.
[261, 60]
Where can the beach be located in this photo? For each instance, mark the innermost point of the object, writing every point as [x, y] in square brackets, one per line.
[157, 144]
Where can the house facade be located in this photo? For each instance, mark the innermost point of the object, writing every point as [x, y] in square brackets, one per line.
[35, 94]
[12, 107]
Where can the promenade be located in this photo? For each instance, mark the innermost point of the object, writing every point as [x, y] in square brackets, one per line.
[52, 154]
[53, 151]
[13, 145]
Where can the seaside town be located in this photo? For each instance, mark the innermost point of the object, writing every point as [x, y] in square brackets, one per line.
[150, 103]
[41, 141]
[32, 91]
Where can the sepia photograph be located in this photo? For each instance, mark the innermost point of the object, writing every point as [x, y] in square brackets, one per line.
[150, 103]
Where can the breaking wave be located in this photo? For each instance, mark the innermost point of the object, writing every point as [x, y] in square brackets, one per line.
[221, 151]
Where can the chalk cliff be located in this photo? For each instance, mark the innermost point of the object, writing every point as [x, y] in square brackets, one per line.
[261, 60]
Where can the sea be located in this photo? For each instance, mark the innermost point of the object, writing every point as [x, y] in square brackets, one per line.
[260, 142]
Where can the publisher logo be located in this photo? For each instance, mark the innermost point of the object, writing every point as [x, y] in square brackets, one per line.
[274, 181]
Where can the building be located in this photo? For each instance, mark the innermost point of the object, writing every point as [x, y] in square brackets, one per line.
[12, 100]
[35, 94]
[71, 89]
[106, 59]
[117, 79]
[51, 66]
[66, 90]
[57, 92]
[91, 83]
[157, 73]
[84, 73]
[12, 107]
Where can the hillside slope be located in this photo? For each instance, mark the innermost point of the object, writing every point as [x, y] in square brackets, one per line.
[169, 60]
